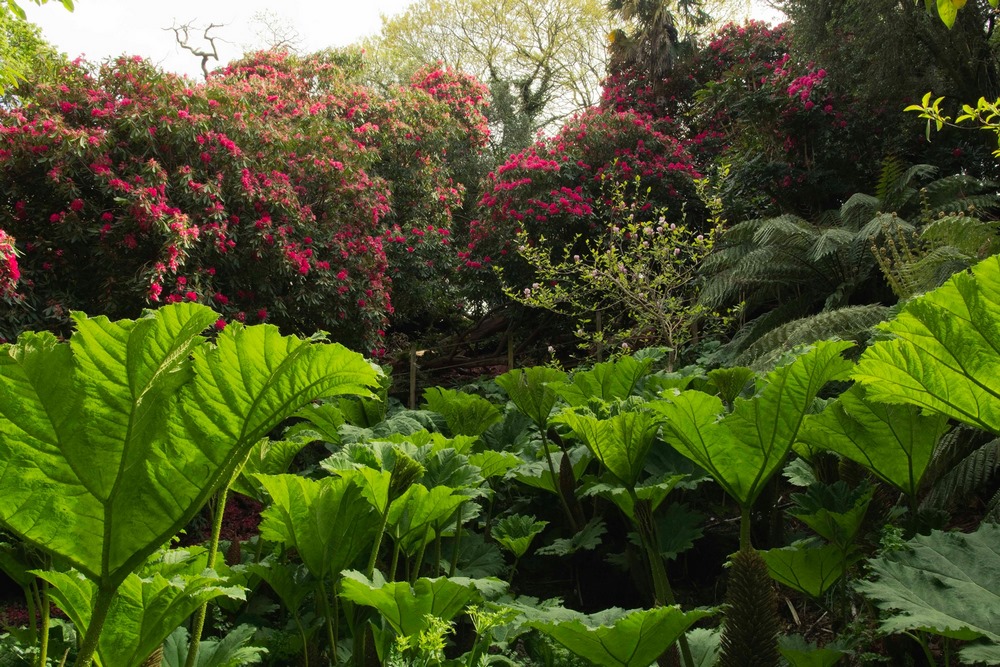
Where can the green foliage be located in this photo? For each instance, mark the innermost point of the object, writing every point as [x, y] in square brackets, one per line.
[146, 609]
[407, 609]
[742, 448]
[466, 414]
[800, 653]
[834, 511]
[946, 584]
[808, 569]
[605, 382]
[614, 638]
[528, 389]
[328, 522]
[639, 273]
[228, 651]
[895, 442]
[516, 532]
[131, 425]
[619, 443]
[942, 356]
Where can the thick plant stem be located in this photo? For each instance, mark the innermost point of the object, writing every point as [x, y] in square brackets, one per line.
[370, 570]
[458, 542]
[305, 641]
[745, 529]
[555, 481]
[330, 634]
[43, 637]
[662, 591]
[415, 574]
[102, 604]
[198, 625]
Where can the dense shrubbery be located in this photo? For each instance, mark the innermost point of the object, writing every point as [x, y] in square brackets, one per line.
[795, 143]
[271, 192]
[556, 188]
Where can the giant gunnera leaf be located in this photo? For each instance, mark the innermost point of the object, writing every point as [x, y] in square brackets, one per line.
[944, 355]
[111, 442]
[613, 638]
[944, 583]
[743, 447]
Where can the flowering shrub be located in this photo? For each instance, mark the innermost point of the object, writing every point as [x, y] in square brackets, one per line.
[556, 190]
[257, 192]
[430, 137]
[744, 99]
[10, 273]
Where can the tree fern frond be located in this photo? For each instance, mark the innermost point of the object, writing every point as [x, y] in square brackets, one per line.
[848, 323]
[966, 478]
[783, 230]
[890, 174]
[858, 209]
[883, 224]
[993, 509]
[829, 242]
[948, 194]
[935, 267]
[969, 234]
[952, 448]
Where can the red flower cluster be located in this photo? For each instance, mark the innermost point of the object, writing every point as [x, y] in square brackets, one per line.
[259, 191]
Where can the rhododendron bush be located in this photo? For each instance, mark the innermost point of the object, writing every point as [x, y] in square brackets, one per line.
[793, 142]
[262, 192]
[551, 191]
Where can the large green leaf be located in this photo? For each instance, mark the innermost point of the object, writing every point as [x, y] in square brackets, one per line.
[743, 448]
[466, 414]
[415, 516]
[616, 639]
[945, 355]
[807, 569]
[144, 612]
[944, 583]
[893, 441]
[229, 651]
[516, 532]
[112, 442]
[327, 521]
[528, 389]
[834, 511]
[406, 607]
[619, 443]
[605, 382]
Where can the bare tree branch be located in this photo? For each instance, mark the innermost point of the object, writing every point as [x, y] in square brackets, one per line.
[182, 34]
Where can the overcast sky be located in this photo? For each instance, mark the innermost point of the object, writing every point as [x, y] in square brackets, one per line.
[102, 28]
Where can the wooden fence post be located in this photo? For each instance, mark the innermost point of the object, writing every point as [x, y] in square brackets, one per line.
[413, 377]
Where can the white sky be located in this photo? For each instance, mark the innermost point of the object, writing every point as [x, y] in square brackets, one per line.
[100, 29]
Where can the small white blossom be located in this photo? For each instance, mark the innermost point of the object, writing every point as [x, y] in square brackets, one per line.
[677, 251]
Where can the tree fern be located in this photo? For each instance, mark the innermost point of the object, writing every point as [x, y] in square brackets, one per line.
[970, 476]
[848, 323]
[785, 268]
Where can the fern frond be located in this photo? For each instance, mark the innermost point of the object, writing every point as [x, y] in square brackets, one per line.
[784, 230]
[858, 209]
[829, 242]
[969, 234]
[935, 267]
[848, 323]
[993, 509]
[966, 478]
[890, 174]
